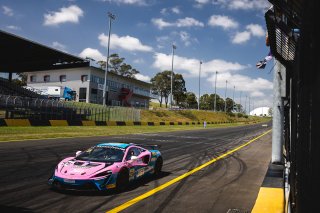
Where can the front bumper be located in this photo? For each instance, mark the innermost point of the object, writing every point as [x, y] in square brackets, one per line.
[82, 185]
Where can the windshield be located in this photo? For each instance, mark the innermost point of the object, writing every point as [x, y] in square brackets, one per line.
[102, 154]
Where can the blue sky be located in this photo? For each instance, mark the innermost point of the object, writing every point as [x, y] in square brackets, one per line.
[228, 36]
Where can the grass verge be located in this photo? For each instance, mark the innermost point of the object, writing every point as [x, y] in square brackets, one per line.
[29, 133]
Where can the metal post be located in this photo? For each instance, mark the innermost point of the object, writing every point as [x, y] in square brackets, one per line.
[173, 48]
[245, 106]
[277, 118]
[215, 93]
[233, 102]
[249, 106]
[111, 17]
[240, 101]
[199, 85]
[225, 97]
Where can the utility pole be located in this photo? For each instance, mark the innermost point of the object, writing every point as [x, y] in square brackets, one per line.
[171, 95]
[215, 93]
[105, 90]
[199, 85]
[225, 97]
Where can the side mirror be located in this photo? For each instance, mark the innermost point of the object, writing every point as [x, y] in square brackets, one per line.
[78, 153]
[133, 158]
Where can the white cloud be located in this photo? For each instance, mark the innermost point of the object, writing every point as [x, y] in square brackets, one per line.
[132, 2]
[236, 4]
[241, 37]
[141, 77]
[256, 30]
[58, 46]
[12, 27]
[188, 22]
[7, 11]
[222, 21]
[191, 65]
[92, 53]
[125, 42]
[165, 11]
[160, 23]
[252, 87]
[65, 14]
[248, 4]
[185, 22]
[138, 61]
[251, 30]
[176, 10]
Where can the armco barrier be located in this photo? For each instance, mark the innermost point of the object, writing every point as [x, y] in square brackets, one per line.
[32, 122]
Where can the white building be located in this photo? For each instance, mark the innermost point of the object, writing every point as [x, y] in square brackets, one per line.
[88, 84]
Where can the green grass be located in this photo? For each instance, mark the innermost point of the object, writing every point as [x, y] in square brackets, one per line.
[25, 133]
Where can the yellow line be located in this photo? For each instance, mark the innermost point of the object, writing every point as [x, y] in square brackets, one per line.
[169, 183]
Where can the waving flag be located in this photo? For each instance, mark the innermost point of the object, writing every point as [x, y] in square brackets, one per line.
[262, 64]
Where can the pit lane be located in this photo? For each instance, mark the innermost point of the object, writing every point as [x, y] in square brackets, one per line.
[230, 183]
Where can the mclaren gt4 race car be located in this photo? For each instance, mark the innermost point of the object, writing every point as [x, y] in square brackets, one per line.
[106, 166]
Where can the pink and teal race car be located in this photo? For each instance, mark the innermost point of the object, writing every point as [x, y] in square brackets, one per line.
[106, 166]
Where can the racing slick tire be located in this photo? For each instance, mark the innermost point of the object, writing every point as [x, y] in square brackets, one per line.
[158, 166]
[122, 180]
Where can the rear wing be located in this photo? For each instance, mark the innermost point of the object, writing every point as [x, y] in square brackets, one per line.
[149, 146]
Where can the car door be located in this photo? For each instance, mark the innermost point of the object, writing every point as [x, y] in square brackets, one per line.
[137, 164]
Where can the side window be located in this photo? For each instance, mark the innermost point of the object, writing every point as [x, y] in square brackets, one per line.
[132, 152]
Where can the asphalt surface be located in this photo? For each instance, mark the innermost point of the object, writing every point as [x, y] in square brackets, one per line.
[230, 183]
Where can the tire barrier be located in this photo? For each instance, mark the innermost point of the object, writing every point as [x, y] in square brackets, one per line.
[32, 122]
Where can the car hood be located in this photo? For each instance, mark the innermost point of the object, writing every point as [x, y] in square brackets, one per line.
[80, 169]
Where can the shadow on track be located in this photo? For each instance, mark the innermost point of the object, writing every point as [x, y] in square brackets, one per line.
[132, 186]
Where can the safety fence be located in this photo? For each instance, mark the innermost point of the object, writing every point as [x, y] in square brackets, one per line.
[15, 107]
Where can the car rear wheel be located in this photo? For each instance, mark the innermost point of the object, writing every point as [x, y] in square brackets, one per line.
[122, 180]
[158, 166]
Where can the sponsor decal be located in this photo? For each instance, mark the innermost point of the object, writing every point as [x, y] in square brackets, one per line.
[69, 181]
[131, 172]
[140, 172]
[111, 186]
[153, 159]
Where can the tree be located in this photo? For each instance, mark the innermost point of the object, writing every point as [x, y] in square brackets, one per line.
[229, 102]
[21, 80]
[117, 66]
[206, 102]
[161, 86]
[270, 112]
[191, 100]
[179, 89]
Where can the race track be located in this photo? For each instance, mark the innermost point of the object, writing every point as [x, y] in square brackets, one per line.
[229, 183]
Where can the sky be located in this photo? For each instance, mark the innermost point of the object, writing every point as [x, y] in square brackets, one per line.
[227, 36]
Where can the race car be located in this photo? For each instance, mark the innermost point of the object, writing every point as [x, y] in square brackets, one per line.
[107, 166]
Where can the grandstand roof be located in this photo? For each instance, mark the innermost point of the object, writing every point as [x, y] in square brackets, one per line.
[21, 55]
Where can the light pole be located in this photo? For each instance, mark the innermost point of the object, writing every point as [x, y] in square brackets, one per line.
[111, 17]
[199, 85]
[245, 106]
[240, 101]
[249, 105]
[173, 48]
[215, 93]
[225, 97]
[233, 102]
